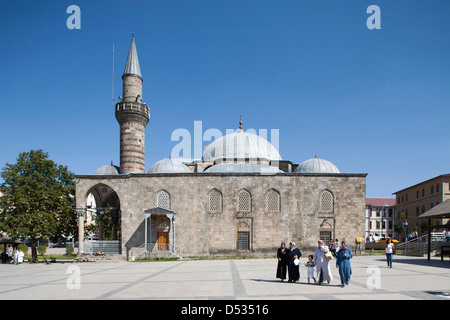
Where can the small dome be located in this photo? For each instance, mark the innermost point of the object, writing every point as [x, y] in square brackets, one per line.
[168, 165]
[317, 165]
[242, 168]
[240, 145]
[107, 170]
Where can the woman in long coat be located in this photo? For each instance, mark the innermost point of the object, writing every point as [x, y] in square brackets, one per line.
[294, 272]
[322, 265]
[343, 257]
[282, 255]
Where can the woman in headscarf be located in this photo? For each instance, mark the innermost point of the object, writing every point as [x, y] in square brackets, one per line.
[321, 262]
[282, 255]
[294, 272]
[343, 257]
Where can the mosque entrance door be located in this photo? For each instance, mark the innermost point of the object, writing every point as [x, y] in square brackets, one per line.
[163, 241]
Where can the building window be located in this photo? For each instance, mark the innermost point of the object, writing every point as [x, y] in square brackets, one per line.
[215, 201]
[327, 202]
[244, 201]
[417, 194]
[423, 208]
[432, 189]
[325, 236]
[273, 201]
[163, 200]
[243, 240]
[437, 187]
[423, 192]
[417, 211]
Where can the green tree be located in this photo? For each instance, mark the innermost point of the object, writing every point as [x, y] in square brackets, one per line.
[38, 199]
[399, 228]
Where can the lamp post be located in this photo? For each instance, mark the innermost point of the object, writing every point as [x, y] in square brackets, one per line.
[405, 224]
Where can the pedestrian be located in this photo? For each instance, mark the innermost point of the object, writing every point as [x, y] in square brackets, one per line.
[310, 265]
[343, 257]
[283, 256]
[20, 257]
[335, 247]
[446, 235]
[390, 250]
[16, 256]
[321, 262]
[294, 272]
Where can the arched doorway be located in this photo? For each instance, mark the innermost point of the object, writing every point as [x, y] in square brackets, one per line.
[103, 219]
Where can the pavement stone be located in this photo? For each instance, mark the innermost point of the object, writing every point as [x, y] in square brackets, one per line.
[411, 278]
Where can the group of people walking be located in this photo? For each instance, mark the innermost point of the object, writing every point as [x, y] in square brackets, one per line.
[319, 263]
[16, 257]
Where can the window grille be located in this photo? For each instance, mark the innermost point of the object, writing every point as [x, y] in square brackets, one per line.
[215, 201]
[326, 202]
[273, 201]
[244, 201]
[243, 240]
[163, 200]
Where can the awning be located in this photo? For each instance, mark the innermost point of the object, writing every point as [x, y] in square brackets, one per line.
[442, 210]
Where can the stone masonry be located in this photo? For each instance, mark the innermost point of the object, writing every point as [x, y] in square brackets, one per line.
[199, 232]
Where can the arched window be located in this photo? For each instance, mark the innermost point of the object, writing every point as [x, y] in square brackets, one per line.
[163, 200]
[273, 201]
[244, 201]
[215, 201]
[326, 201]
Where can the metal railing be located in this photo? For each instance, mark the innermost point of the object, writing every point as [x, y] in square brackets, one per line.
[158, 247]
[419, 246]
[106, 247]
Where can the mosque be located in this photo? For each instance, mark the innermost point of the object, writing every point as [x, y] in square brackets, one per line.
[241, 198]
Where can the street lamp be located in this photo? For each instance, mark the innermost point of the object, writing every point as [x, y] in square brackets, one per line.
[405, 224]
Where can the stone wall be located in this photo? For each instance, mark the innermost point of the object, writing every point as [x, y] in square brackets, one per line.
[199, 232]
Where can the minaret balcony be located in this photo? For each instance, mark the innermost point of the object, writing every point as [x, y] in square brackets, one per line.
[132, 111]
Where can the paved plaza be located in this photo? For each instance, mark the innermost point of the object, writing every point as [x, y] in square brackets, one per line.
[252, 279]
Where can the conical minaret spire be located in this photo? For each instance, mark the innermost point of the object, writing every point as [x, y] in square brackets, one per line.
[133, 116]
[132, 65]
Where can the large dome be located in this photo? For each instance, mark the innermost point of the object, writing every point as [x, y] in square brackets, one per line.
[169, 165]
[317, 165]
[240, 145]
[242, 168]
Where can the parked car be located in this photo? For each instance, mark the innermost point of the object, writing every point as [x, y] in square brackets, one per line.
[384, 240]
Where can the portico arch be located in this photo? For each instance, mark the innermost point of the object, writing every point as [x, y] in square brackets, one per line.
[100, 208]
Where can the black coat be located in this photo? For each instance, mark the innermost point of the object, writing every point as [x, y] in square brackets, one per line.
[294, 272]
[283, 259]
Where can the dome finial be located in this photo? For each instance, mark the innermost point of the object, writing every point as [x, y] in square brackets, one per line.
[240, 124]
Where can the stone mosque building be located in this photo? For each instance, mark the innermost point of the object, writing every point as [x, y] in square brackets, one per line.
[241, 198]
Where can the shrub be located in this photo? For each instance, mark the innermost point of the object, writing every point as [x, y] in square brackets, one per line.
[69, 249]
[42, 250]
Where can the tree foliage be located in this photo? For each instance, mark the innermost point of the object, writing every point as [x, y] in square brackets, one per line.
[38, 199]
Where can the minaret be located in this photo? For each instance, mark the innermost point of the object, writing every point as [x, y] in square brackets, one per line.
[133, 116]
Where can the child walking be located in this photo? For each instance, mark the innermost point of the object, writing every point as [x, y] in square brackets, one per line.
[310, 265]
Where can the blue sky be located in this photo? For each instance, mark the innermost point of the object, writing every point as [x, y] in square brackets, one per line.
[370, 101]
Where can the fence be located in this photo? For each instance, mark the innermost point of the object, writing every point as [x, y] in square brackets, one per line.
[107, 247]
[158, 247]
[419, 246]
